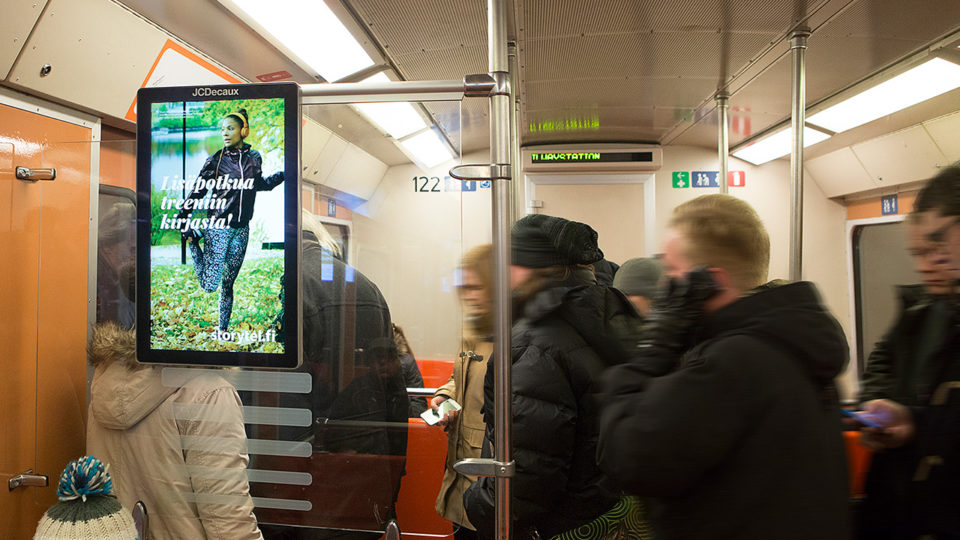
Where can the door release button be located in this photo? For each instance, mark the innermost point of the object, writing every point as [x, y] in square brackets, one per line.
[28, 479]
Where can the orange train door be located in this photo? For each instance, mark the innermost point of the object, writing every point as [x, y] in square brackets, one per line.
[44, 226]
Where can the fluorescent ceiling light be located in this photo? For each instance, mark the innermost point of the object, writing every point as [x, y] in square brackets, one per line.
[312, 32]
[398, 119]
[777, 145]
[427, 148]
[921, 83]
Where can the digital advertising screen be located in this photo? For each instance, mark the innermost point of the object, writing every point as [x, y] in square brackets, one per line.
[218, 221]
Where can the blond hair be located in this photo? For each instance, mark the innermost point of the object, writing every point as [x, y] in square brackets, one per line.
[725, 232]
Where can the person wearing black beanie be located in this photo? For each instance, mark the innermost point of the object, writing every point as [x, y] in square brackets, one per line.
[567, 330]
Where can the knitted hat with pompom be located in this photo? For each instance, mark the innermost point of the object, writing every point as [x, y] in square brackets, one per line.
[87, 507]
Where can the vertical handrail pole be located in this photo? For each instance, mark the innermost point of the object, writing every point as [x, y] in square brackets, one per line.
[798, 46]
[518, 209]
[723, 139]
[500, 104]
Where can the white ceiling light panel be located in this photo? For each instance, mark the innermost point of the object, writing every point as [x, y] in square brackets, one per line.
[921, 83]
[309, 30]
[777, 145]
[398, 119]
[427, 148]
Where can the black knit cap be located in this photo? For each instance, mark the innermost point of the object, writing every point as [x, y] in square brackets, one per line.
[540, 240]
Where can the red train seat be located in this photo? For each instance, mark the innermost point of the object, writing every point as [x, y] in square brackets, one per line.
[858, 462]
[435, 372]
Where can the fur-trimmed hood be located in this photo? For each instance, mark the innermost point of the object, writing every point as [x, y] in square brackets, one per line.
[112, 343]
[123, 392]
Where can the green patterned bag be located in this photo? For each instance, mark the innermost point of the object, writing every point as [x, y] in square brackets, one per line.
[627, 520]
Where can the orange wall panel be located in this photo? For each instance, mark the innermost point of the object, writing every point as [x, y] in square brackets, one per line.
[870, 208]
[118, 158]
[20, 232]
[62, 319]
[43, 283]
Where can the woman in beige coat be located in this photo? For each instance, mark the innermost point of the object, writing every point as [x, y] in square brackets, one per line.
[465, 427]
[178, 446]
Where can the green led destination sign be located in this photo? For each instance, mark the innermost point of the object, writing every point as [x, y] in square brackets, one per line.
[592, 157]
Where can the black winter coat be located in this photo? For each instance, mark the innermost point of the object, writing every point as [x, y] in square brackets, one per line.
[563, 339]
[239, 174]
[914, 365]
[901, 366]
[743, 439]
[344, 313]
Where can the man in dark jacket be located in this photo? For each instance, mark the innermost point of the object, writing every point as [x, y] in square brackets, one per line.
[565, 335]
[919, 441]
[727, 417]
[901, 368]
[358, 401]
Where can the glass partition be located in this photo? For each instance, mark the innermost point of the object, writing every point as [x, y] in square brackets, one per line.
[335, 447]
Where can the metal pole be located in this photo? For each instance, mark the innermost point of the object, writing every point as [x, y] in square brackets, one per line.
[500, 104]
[366, 92]
[518, 209]
[723, 140]
[798, 45]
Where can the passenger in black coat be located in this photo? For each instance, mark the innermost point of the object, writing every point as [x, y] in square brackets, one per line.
[565, 335]
[903, 367]
[913, 492]
[358, 401]
[727, 417]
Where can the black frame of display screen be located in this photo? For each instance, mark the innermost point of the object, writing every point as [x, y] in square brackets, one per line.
[290, 92]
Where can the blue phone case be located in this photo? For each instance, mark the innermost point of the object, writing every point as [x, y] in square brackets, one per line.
[861, 417]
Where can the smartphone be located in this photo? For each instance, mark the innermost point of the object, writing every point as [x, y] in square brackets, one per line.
[864, 418]
[431, 418]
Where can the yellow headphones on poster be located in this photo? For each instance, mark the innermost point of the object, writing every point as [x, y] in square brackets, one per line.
[245, 130]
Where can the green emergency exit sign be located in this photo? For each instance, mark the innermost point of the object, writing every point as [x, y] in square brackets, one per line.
[681, 179]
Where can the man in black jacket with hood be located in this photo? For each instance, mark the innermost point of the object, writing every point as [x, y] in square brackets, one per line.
[567, 330]
[727, 416]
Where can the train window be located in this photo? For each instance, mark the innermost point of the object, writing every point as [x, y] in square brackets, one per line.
[881, 262]
[116, 255]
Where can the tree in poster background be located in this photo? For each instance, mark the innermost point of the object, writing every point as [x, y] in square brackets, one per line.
[184, 315]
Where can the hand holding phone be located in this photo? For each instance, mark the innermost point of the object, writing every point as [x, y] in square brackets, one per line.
[433, 417]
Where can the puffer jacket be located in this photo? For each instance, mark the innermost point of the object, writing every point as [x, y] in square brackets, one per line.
[239, 176]
[743, 439]
[177, 445]
[563, 339]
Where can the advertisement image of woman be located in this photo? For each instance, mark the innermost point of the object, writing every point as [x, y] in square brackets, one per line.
[232, 176]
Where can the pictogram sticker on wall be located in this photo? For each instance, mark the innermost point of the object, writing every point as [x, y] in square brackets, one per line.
[736, 178]
[178, 66]
[888, 205]
[704, 179]
[681, 179]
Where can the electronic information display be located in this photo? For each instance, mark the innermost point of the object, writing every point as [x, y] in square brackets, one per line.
[591, 157]
[218, 222]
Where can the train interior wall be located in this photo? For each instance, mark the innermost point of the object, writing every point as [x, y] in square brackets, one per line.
[409, 241]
